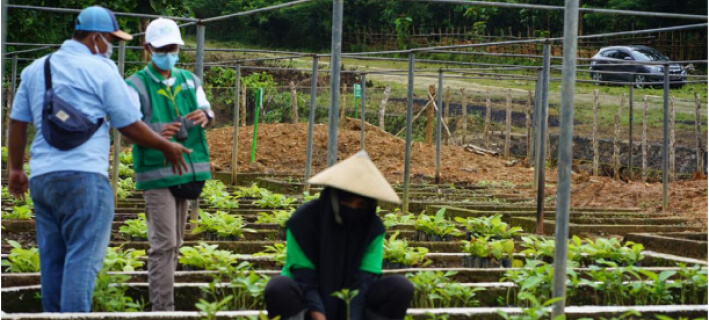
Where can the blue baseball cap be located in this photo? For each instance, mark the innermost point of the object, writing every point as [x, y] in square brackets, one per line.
[100, 19]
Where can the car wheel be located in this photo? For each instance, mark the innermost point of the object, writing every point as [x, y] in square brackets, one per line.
[639, 79]
[597, 78]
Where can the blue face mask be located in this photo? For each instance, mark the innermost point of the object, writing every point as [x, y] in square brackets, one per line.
[165, 61]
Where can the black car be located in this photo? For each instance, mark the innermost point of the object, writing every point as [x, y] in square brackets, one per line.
[608, 59]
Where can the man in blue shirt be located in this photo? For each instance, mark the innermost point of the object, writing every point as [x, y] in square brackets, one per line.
[72, 196]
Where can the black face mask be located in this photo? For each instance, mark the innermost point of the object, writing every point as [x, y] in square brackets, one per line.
[354, 215]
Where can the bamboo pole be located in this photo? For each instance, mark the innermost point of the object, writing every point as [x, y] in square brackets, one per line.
[644, 140]
[594, 136]
[464, 112]
[508, 122]
[294, 102]
[698, 133]
[382, 106]
[616, 140]
[673, 175]
[486, 132]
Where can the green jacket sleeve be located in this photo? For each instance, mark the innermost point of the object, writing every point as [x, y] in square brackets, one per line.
[295, 257]
[372, 259]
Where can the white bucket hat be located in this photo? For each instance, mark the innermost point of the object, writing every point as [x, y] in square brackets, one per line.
[162, 32]
[357, 174]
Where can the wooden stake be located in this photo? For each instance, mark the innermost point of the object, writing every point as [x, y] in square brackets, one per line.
[430, 119]
[382, 106]
[528, 125]
[594, 136]
[343, 103]
[644, 140]
[616, 140]
[698, 133]
[672, 174]
[464, 111]
[294, 101]
[486, 132]
[446, 114]
[243, 105]
[508, 123]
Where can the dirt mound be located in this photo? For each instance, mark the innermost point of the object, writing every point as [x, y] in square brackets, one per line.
[281, 148]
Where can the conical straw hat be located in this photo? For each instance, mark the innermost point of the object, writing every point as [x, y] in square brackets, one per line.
[357, 174]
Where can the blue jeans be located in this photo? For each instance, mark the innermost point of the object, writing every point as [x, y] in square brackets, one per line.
[73, 214]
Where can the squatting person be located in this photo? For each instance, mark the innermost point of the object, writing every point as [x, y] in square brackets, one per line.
[175, 106]
[66, 96]
[336, 242]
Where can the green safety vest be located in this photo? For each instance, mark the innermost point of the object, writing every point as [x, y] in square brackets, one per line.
[296, 258]
[159, 103]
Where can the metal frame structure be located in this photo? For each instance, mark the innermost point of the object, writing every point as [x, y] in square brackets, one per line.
[568, 79]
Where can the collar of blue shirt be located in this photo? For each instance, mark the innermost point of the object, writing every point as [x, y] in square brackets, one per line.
[74, 46]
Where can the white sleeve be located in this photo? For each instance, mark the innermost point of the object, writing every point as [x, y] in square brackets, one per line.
[202, 102]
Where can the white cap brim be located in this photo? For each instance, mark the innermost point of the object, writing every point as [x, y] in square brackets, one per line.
[166, 42]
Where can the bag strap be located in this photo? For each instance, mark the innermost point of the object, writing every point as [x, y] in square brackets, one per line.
[47, 74]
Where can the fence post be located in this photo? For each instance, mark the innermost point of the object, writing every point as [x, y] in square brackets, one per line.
[508, 122]
[665, 136]
[409, 120]
[630, 133]
[439, 126]
[446, 114]
[364, 104]
[335, 55]
[243, 105]
[257, 110]
[594, 136]
[294, 102]
[698, 132]
[616, 139]
[311, 121]
[644, 140]
[566, 121]
[488, 110]
[235, 146]
[673, 174]
[115, 132]
[528, 125]
[382, 107]
[464, 112]
[543, 131]
[199, 63]
[429, 117]
[343, 103]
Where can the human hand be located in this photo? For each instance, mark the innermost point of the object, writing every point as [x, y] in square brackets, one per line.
[168, 131]
[18, 184]
[198, 117]
[316, 315]
[173, 155]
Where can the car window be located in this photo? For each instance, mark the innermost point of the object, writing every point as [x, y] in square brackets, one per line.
[621, 55]
[608, 53]
[649, 55]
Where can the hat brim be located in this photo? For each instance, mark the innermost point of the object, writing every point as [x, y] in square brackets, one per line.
[166, 42]
[120, 34]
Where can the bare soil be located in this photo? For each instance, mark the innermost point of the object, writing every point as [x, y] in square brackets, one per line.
[281, 148]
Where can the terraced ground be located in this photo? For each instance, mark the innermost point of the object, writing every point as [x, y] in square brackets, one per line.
[607, 277]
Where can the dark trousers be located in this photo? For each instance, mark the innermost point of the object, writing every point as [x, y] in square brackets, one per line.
[388, 297]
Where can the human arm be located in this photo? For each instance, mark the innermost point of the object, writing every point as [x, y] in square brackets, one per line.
[20, 117]
[18, 183]
[140, 134]
[303, 272]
